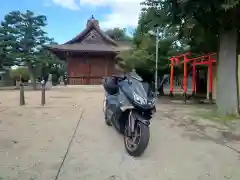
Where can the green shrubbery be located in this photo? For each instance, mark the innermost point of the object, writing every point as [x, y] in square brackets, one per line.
[21, 73]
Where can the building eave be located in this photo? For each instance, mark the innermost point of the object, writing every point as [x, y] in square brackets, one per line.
[91, 24]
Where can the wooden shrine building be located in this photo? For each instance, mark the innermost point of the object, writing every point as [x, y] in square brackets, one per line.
[90, 55]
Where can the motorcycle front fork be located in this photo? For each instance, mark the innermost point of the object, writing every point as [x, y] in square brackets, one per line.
[131, 124]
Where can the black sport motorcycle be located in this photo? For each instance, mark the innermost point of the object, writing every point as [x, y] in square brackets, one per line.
[129, 108]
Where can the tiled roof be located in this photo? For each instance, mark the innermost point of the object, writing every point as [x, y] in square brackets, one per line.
[78, 43]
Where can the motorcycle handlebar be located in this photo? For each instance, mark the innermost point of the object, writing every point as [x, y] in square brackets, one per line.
[116, 78]
[119, 78]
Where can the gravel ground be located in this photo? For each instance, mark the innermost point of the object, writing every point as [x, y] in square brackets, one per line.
[34, 141]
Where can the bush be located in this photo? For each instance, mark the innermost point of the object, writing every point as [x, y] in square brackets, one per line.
[20, 74]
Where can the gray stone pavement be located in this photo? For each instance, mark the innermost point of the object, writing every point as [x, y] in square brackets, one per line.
[34, 140]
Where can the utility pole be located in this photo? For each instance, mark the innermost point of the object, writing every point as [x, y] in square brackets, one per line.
[156, 65]
[156, 34]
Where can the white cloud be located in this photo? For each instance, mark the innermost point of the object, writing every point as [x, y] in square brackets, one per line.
[70, 4]
[124, 13]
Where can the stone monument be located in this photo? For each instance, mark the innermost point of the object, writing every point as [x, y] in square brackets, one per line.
[49, 82]
[61, 81]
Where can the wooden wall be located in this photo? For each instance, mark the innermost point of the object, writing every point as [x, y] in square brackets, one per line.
[85, 70]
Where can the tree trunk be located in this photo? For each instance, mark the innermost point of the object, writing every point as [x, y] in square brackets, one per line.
[32, 77]
[227, 73]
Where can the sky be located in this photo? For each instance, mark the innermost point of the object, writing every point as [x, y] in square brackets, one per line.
[67, 18]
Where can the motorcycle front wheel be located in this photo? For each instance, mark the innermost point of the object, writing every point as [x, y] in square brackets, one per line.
[105, 111]
[138, 142]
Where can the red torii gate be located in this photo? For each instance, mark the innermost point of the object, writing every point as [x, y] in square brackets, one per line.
[201, 60]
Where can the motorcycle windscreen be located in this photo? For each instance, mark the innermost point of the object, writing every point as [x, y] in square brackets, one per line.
[138, 88]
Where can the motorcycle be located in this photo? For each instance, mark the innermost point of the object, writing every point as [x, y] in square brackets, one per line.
[129, 108]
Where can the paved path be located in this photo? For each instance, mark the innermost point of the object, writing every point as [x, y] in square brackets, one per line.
[34, 140]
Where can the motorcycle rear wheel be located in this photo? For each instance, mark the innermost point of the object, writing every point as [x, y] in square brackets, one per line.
[136, 145]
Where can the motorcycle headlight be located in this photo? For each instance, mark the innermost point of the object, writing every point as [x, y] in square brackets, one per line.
[139, 99]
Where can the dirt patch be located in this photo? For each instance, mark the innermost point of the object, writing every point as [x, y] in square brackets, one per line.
[34, 141]
[196, 127]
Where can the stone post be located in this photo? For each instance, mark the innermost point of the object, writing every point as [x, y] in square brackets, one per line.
[22, 98]
[43, 98]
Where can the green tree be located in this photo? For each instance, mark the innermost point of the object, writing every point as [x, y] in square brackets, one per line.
[219, 19]
[169, 43]
[50, 64]
[6, 38]
[135, 59]
[118, 34]
[142, 57]
[27, 39]
[20, 74]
